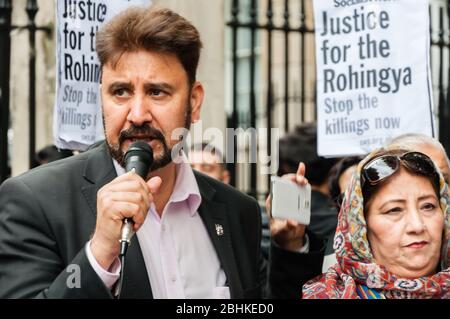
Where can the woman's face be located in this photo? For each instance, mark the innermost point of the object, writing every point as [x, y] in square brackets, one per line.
[405, 225]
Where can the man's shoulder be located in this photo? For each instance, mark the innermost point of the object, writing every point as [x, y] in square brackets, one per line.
[240, 207]
[62, 172]
[223, 192]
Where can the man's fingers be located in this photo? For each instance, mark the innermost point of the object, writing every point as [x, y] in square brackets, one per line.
[121, 210]
[154, 184]
[131, 191]
[128, 185]
[129, 176]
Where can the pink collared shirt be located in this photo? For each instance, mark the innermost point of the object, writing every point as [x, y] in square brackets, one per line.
[179, 256]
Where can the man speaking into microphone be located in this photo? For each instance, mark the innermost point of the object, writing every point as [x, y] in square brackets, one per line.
[61, 224]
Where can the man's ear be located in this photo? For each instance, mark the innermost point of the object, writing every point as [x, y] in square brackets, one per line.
[197, 95]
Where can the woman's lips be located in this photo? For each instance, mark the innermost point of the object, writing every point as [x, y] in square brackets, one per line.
[417, 244]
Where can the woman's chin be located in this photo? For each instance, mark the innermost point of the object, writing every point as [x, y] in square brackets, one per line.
[414, 271]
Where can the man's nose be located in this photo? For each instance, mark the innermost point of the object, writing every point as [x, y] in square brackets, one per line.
[140, 112]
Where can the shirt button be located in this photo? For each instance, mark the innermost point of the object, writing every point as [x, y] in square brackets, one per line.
[163, 227]
[173, 278]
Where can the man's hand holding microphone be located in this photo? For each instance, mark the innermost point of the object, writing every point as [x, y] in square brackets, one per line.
[126, 197]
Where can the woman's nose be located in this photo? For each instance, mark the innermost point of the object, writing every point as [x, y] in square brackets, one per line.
[415, 222]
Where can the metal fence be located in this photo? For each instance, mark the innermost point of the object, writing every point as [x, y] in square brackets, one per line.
[5, 57]
[289, 23]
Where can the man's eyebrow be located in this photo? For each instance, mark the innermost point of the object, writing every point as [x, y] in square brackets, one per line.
[162, 86]
[120, 85]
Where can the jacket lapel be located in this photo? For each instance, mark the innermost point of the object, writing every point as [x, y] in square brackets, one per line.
[214, 216]
[98, 172]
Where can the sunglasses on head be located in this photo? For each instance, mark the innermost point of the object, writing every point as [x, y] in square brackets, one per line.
[380, 168]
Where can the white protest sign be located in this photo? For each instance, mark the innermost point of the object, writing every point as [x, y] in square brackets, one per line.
[373, 73]
[77, 121]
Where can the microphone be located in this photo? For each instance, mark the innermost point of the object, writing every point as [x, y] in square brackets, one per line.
[138, 158]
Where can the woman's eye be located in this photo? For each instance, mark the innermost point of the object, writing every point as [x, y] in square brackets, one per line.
[394, 211]
[429, 206]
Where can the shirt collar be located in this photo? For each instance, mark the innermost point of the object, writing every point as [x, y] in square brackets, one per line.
[185, 187]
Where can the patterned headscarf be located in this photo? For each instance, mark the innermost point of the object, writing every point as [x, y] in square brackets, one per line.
[356, 264]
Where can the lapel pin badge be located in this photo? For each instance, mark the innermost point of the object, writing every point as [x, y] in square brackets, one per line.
[219, 230]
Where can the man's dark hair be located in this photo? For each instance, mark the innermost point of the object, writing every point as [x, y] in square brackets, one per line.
[152, 29]
[301, 146]
[51, 153]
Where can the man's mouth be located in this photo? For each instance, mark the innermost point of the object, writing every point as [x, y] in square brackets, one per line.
[146, 139]
[143, 138]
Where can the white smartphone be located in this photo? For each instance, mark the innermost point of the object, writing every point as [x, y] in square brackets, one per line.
[290, 201]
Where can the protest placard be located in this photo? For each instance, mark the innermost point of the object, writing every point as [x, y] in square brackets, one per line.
[77, 121]
[373, 73]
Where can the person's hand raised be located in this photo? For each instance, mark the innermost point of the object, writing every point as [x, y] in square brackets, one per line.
[288, 234]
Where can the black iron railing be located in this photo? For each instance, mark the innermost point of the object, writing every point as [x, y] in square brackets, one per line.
[5, 56]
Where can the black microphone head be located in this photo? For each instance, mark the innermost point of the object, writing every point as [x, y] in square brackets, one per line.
[140, 157]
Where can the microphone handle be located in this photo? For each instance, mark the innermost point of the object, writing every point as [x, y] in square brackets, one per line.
[140, 168]
[125, 235]
[127, 228]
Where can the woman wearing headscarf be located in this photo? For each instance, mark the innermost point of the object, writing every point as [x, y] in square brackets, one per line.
[392, 239]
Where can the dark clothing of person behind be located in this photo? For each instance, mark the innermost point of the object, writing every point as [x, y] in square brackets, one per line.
[294, 268]
[265, 240]
[323, 215]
